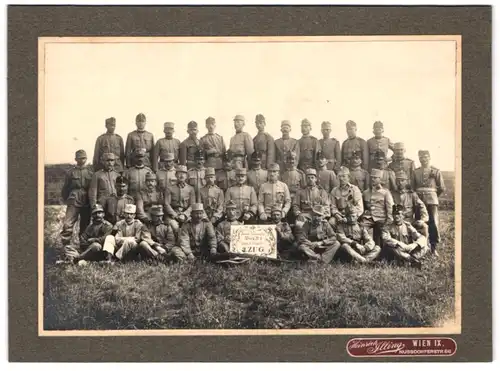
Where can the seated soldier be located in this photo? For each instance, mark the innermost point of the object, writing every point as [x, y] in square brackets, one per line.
[402, 241]
[212, 197]
[114, 205]
[309, 196]
[355, 240]
[244, 197]
[178, 200]
[162, 236]
[91, 240]
[147, 198]
[342, 196]
[223, 230]
[316, 238]
[129, 240]
[196, 238]
[287, 248]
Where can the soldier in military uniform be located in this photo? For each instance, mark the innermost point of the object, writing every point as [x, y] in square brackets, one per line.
[287, 248]
[352, 144]
[273, 193]
[357, 175]
[308, 147]
[415, 211]
[316, 238]
[330, 147]
[227, 178]
[196, 175]
[162, 235]
[103, 181]
[147, 198]
[165, 176]
[178, 200]
[402, 241]
[285, 145]
[310, 196]
[136, 175]
[400, 162]
[355, 241]
[114, 205]
[429, 185]
[343, 196]
[169, 144]
[327, 179]
[378, 143]
[256, 176]
[109, 142]
[264, 142]
[243, 196]
[140, 138]
[190, 146]
[241, 144]
[75, 192]
[212, 197]
[223, 229]
[214, 146]
[378, 204]
[388, 179]
[196, 237]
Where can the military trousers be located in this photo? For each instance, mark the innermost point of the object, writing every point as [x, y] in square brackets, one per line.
[376, 225]
[434, 235]
[127, 248]
[407, 252]
[325, 253]
[361, 255]
[70, 219]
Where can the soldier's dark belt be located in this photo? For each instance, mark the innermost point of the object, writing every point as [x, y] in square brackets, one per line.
[213, 155]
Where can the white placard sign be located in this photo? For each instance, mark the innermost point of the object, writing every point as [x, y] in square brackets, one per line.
[259, 240]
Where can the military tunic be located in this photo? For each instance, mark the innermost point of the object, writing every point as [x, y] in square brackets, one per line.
[136, 179]
[225, 179]
[109, 143]
[310, 196]
[414, 208]
[164, 146]
[327, 179]
[365, 249]
[166, 178]
[76, 187]
[375, 144]
[331, 150]
[139, 139]
[351, 196]
[388, 180]
[360, 178]
[283, 147]
[162, 234]
[406, 165]
[241, 146]
[309, 233]
[214, 147]
[102, 185]
[178, 200]
[308, 147]
[264, 143]
[245, 199]
[212, 198]
[145, 200]
[196, 179]
[274, 194]
[355, 144]
[197, 239]
[403, 241]
[114, 207]
[378, 204]
[223, 232]
[256, 178]
[187, 152]
[295, 180]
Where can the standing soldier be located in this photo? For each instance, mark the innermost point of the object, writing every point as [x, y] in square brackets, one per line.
[223, 230]
[400, 162]
[190, 146]
[429, 185]
[165, 176]
[263, 142]
[294, 178]
[136, 175]
[378, 204]
[103, 181]
[273, 193]
[358, 176]
[308, 147]
[212, 197]
[140, 138]
[285, 145]
[330, 147]
[244, 197]
[114, 205]
[378, 143]
[109, 142]
[75, 193]
[256, 176]
[388, 180]
[214, 146]
[196, 175]
[227, 178]
[241, 144]
[178, 200]
[147, 198]
[326, 178]
[352, 144]
[169, 144]
[310, 196]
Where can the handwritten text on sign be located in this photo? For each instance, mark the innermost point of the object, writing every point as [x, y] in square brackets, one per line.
[259, 240]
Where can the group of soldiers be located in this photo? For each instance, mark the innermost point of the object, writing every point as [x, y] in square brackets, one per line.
[176, 201]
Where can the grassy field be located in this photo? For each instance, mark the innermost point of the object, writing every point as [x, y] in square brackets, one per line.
[257, 295]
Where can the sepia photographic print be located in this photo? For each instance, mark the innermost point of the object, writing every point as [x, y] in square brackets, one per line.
[249, 185]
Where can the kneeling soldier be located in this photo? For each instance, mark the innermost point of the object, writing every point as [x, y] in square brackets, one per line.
[162, 236]
[196, 237]
[223, 230]
[316, 238]
[403, 241]
[286, 241]
[273, 193]
[355, 239]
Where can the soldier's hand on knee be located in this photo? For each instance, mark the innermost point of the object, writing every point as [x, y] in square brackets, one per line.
[181, 218]
[213, 251]
[190, 256]
[247, 216]
[263, 216]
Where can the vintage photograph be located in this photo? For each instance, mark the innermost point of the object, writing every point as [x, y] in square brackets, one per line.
[231, 185]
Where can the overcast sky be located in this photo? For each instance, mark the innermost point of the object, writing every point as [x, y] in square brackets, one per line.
[408, 85]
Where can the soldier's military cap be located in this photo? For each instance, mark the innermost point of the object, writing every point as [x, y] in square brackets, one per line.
[399, 145]
[356, 154]
[130, 209]
[150, 176]
[168, 124]
[239, 117]
[378, 124]
[108, 156]
[318, 210]
[169, 156]
[241, 171]
[209, 171]
[343, 171]
[377, 173]
[197, 207]
[326, 125]
[423, 152]
[199, 155]
[156, 210]
[311, 171]
[192, 125]
[120, 180]
[291, 156]
[401, 175]
[276, 209]
[350, 124]
[110, 120]
[306, 122]
[256, 156]
[141, 117]
[228, 156]
[396, 208]
[230, 205]
[260, 118]
[286, 123]
[320, 155]
[140, 152]
[273, 167]
[350, 211]
[210, 120]
[80, 154]
[181, 169]
[379, 154]
[97, 208]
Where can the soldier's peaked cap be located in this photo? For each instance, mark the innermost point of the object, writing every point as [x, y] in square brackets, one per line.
[399, 145]
[350, 124]
[192, 125]
[241, 171]
[140, 152]
[168, 124]
[311, 171]
[181, 169]
[209, 171]
[130, 208]
[401, 175]
[197, 207]
[318, 210]
[97, 208]
[396, 208]
[320, 155]
[356, 154]
[286, 123]
[121, 179]
[210, 120]
[378, 124]
[305, 122]
[230, 205]
[260, 118]
[343, 171]
[276, 209]
[239, 117]
[150, 176]
[80, 154]
[326, 125]
[273, 167]
[423, 152]
[256, 156]
[379, 153]
[141, 117]
[156, 210]
[108, 156]
[110, 120]
[377, 173]
[200, 154]
[228, 156]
